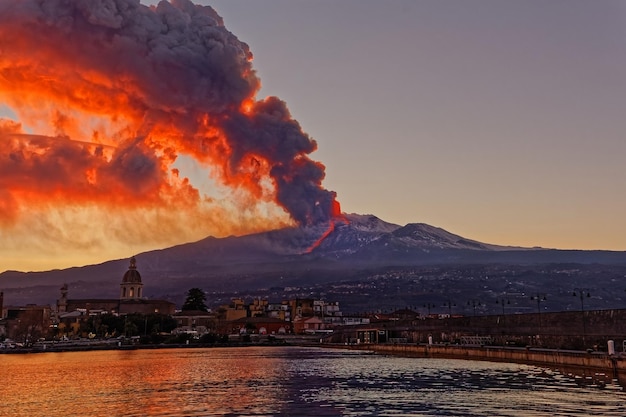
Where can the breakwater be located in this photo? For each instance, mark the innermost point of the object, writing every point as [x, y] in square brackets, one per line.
[569, 330]
[587, 364]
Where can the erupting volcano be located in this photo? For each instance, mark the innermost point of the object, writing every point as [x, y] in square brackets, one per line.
[100, 99]
[335, 217]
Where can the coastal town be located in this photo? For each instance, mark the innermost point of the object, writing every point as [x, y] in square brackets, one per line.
[132, 316]
[137, 320]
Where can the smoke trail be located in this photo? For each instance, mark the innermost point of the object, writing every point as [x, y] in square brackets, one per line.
[109, 94]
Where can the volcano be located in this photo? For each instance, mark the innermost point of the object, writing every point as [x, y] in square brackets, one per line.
[356, 244]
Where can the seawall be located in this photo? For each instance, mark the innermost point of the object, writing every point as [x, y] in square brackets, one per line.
[592, 364]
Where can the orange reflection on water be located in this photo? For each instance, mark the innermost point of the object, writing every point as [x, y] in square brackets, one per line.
[229, 378]
[138, 383]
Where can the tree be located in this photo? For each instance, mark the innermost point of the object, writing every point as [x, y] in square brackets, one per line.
[195, 300]
[130, 328]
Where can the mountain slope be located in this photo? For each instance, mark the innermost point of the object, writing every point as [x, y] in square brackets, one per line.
[291, 256]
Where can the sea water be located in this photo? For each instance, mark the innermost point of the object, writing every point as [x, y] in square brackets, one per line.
[289, 381]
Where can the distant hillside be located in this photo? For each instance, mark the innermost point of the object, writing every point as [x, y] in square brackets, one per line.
[288, 257]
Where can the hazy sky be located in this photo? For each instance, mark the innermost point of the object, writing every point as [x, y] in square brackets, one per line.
[501, 121]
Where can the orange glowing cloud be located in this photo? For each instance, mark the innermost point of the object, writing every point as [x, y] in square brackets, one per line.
[109, 94]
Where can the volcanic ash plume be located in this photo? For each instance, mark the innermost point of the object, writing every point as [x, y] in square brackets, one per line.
[100, 99]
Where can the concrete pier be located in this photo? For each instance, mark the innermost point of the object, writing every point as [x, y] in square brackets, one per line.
[592, 364]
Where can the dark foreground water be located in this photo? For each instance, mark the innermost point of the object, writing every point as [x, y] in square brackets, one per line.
[288, 381]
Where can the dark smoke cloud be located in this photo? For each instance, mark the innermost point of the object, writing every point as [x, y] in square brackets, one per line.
[271, 133]
[163, 80]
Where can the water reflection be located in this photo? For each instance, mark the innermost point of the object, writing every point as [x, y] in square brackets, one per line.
[129, 383]
[287, 381]
[410, 386]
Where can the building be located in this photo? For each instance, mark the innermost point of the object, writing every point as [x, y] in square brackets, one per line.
[259, 325]
[131, 300]
[131, 286]
[308, 325]
[26, 324]
[195, 322]
[279, 311]
[258, 308]
[237, 309]
[302, 307]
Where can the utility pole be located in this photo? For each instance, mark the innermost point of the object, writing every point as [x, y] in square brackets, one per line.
[582, 293]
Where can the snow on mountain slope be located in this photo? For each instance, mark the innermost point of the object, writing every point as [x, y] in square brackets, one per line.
[370, 223]
[369, 233]
[424, 235]
[352, 233]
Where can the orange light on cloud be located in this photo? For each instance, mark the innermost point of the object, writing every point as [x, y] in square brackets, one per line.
[109, 94]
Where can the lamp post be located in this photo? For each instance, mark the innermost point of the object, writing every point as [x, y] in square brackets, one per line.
[449, 304]
[502, 302]
[582, 293]
[474, 304]
[429, 306]
[539, 297]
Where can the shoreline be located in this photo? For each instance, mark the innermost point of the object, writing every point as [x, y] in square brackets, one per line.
[598, 366]
[588, 364]
[76, 347]
[114, 344]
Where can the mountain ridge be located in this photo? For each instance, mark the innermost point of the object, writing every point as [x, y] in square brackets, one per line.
[296, 255]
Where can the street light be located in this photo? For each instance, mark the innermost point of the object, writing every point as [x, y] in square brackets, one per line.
[502, 302]
[429, 306]
[449, 304]
[474, 304]
[539, 298]
[582, 293]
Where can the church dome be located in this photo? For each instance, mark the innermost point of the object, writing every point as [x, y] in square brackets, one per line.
[132, 275]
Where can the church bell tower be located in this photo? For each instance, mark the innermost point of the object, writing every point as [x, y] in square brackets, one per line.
[131, 287]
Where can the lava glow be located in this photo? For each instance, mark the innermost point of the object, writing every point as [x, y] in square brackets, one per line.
[100, 98]
[336, 217]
